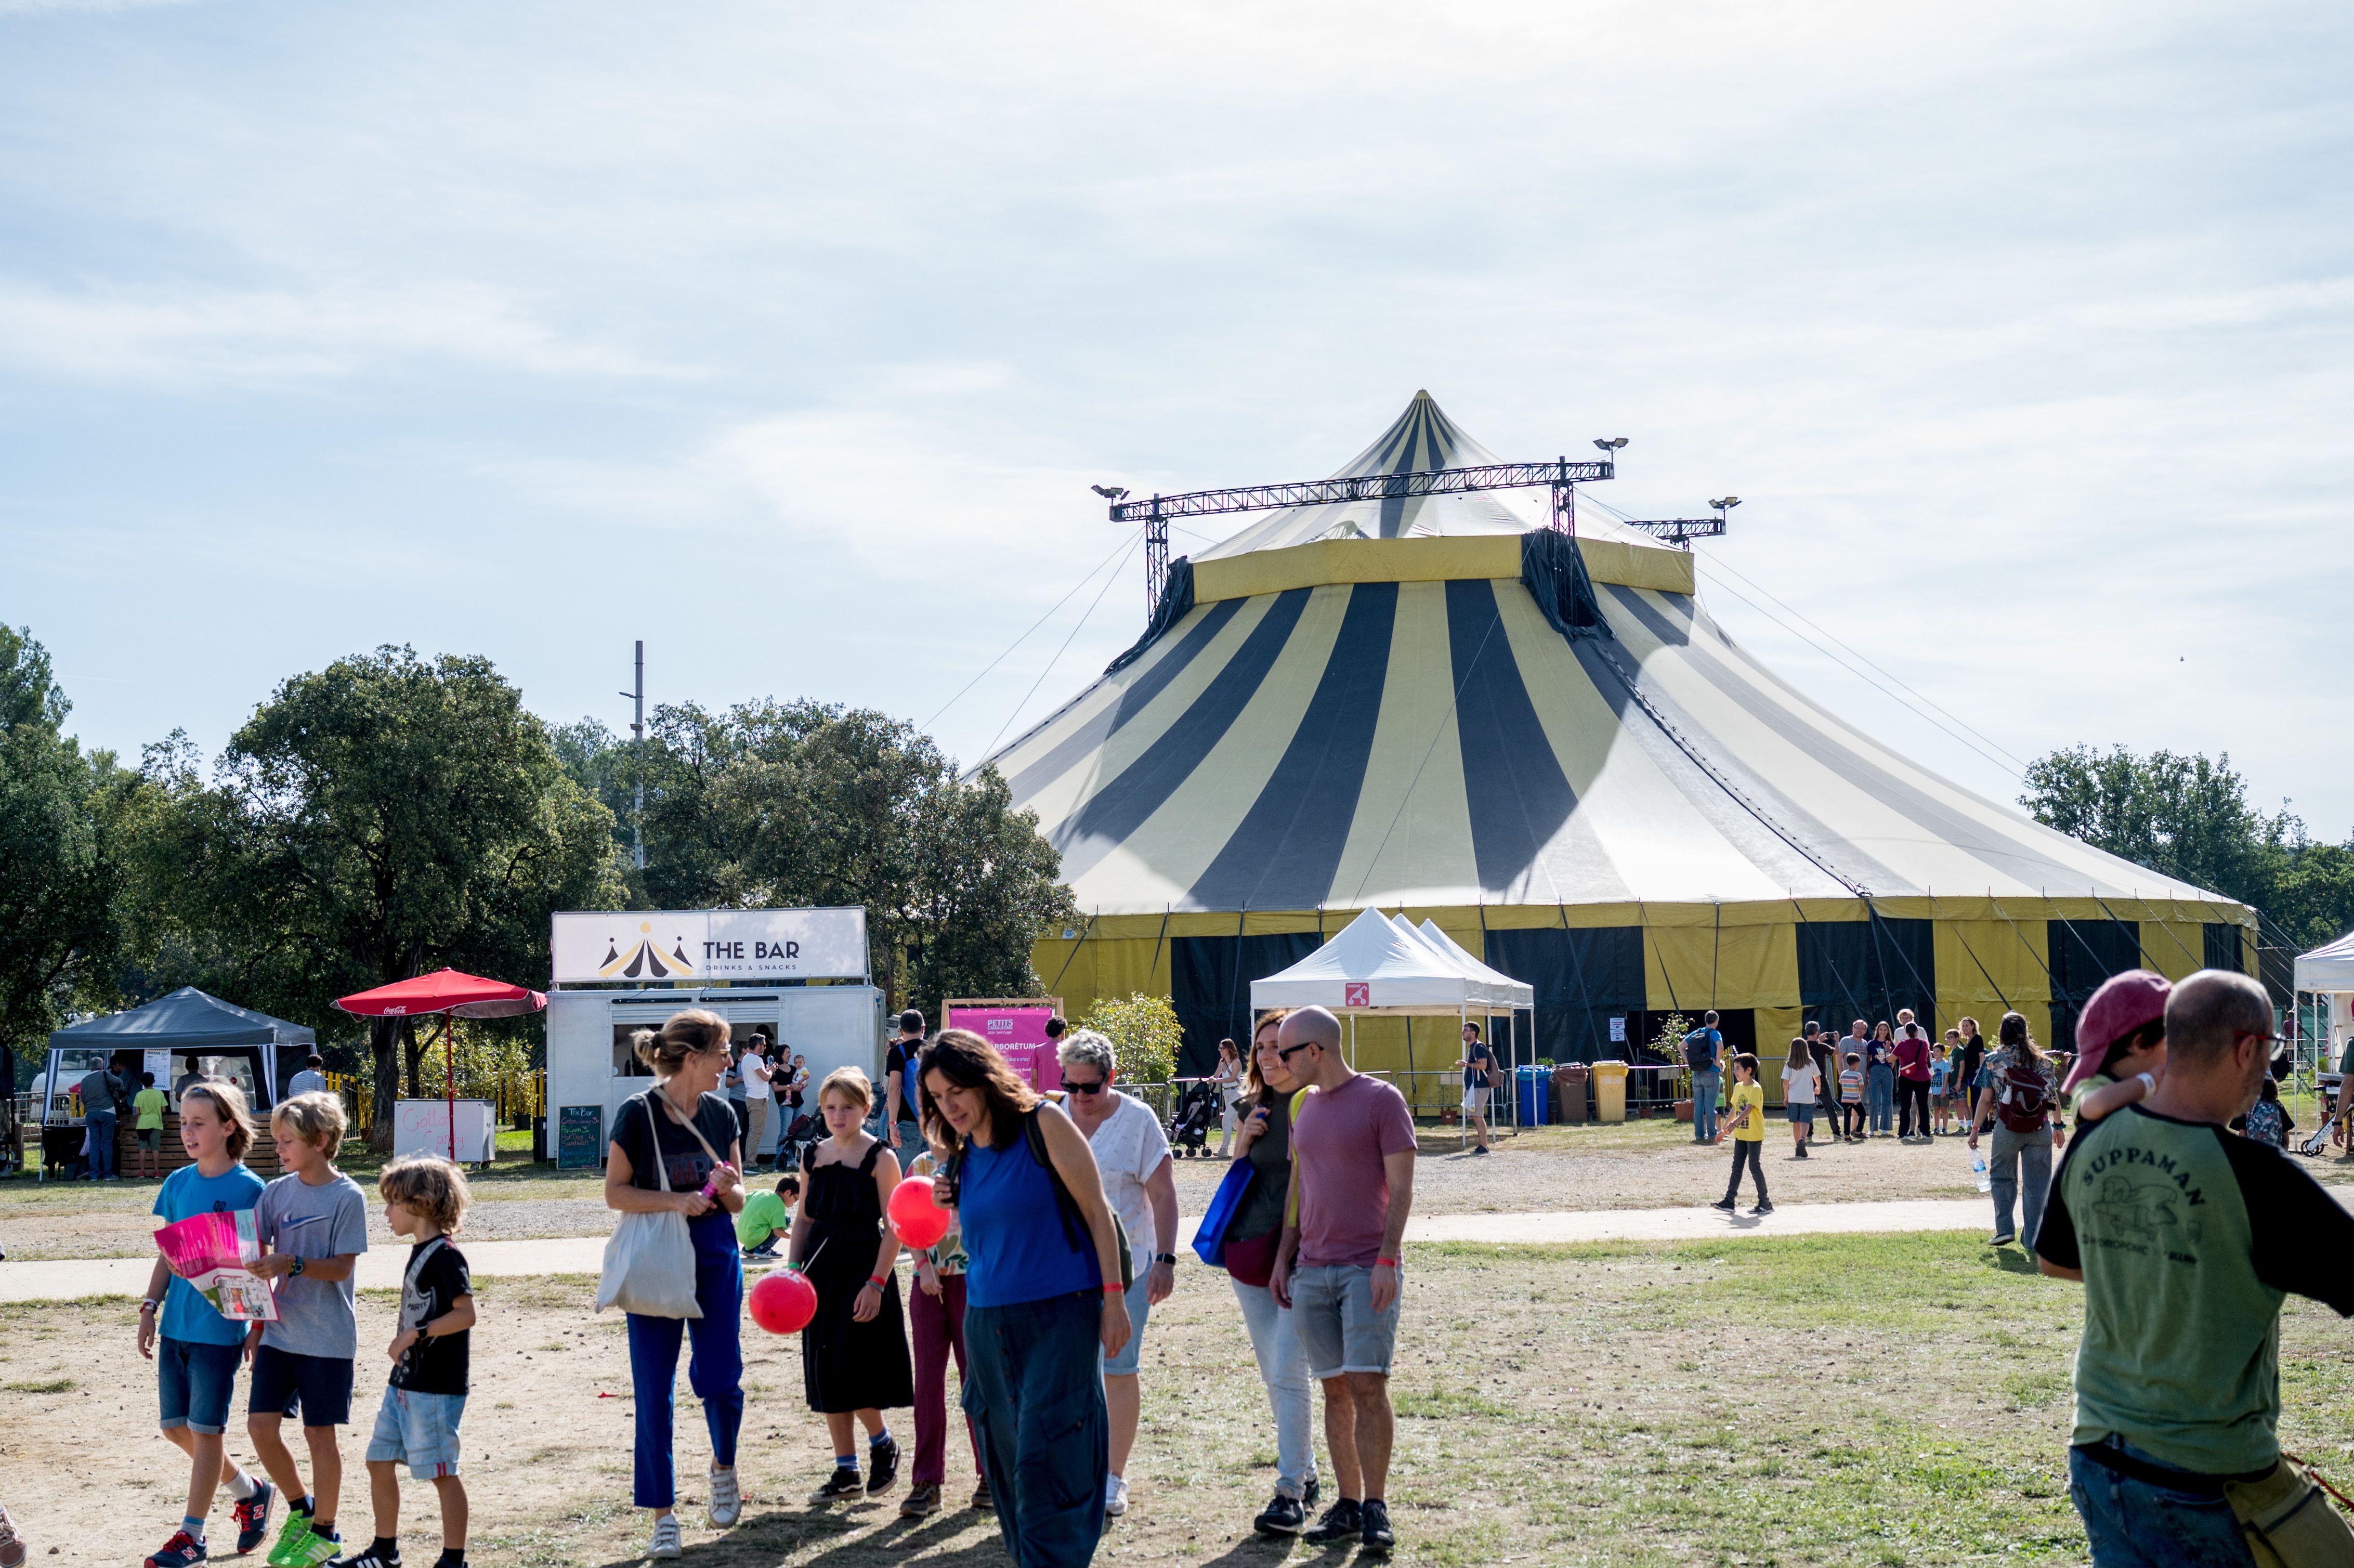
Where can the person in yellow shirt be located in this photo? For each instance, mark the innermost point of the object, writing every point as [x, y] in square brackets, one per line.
[1746, 1124]
[147, 1110]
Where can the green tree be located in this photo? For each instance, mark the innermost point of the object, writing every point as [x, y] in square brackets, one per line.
[373, 821]
[1144, 1033]
[59, 869]
[2190, 819]
[799, 805]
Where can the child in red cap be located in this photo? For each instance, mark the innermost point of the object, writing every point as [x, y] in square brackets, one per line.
[2120, 1045]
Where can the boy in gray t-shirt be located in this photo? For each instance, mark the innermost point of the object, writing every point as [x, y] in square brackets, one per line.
[313, 1220]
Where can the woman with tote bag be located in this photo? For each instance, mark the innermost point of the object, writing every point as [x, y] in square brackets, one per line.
[665, 1168]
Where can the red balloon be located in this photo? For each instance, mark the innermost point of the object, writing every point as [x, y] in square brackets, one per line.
[913, 1219]
[784, 1301]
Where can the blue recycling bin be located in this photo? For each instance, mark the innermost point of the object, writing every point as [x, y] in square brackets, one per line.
[1536, 1095]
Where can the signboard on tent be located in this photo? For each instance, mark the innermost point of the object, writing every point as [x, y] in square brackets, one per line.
[691, 947]
[1017, 1027]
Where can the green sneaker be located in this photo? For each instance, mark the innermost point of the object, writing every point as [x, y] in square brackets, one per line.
[292, 1537]
[316, 1549]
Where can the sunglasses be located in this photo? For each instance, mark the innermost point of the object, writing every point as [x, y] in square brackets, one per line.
[1285, 1056]
[1077, 1088]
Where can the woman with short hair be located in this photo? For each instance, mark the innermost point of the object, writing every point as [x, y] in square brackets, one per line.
[1043, 1302]
[675, 1148]
[1131, 1152]
[1273, 1094]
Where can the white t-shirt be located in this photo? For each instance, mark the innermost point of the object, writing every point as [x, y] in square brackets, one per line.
[1129, 1145]
[756, 1078]
[1799, 1083]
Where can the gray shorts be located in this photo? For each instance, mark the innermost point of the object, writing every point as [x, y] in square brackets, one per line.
[1332, 1312]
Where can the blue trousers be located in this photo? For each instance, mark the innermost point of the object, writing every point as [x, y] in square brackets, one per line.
[1880, 1092]
[2131, 1524]
[1704, 1087]
[714, 1368]
[1034, 1389]
[102, 1150]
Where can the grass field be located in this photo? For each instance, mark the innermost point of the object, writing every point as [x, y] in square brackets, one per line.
[1882, 1400]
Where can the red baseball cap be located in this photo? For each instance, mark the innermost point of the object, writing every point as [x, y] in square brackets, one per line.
[2125, 1003]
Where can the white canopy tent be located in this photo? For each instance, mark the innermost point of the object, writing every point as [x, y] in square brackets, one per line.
[2329, 972]
[1387, 965]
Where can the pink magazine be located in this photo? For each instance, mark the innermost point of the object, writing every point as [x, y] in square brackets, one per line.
[210, 1252]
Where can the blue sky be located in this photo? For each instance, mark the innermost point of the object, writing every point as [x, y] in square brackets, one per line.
[788, 338]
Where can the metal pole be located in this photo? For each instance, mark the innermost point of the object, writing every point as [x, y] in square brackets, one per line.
[450, 1077]
[638, 761]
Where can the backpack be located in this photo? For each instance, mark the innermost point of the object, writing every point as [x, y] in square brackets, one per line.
[2264, 1123]
[2022, 1095]
[1075, 1227]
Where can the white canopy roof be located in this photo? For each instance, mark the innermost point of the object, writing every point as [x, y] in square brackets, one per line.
[1516, 993]
[2328, 968]
[1377, 965]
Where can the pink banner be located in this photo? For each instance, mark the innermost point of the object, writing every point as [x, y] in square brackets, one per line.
[1019, 1036]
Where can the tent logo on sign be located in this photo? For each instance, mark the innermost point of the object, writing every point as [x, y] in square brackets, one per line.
[1356, 993]
[645, 957]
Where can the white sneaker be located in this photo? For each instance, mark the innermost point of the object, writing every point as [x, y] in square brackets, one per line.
[1115, 1497]
[665, 1540]
[727, 1501]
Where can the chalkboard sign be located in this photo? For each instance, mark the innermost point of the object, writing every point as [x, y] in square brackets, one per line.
[579, 1137]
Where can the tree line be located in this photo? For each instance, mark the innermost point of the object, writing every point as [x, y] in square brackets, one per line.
[391, 814]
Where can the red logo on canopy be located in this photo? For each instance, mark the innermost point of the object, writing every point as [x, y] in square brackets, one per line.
[1356, 993]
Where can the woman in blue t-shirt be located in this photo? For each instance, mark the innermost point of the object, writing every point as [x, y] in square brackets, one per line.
[1043, 1302]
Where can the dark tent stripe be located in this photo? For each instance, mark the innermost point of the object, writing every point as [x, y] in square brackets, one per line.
[2011, 856]
[1120, 807]
[1518, 795]
[1288, 848]
[1147, 686]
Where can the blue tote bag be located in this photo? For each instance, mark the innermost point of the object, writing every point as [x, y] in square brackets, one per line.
[1210, 1236]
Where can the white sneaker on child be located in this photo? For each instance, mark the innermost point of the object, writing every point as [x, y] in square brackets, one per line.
[1115, 1496]
[727, 1500]
[665, 1540]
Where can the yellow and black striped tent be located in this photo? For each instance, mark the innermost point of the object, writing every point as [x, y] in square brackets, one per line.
[1549, 747]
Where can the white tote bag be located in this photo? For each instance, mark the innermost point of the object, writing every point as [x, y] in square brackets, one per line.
[649, 1259]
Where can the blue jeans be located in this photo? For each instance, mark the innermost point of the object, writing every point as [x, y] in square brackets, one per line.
[1283, 1367]
[1704, 1087]
[714, 1370]
[1036, 1396]
[1880, 1091]
[2131, 1524]
[102, 1146]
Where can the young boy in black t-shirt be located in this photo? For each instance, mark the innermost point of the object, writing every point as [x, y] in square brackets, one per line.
[424, 1199]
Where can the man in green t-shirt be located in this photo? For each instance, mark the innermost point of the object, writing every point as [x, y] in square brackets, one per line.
[2187, 1238]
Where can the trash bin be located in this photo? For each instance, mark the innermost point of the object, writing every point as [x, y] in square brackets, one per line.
[1536, 1088]
[1569, 1091]
[1610, 1091]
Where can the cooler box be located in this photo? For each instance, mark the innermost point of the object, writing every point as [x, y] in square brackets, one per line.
[1569, 1082]
[1610, 1091]
[1536, 1085]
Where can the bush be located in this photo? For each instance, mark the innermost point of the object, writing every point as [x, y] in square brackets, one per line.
[1144, 1035]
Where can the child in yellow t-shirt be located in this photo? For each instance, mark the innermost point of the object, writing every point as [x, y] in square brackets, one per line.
[147, 1108]
[1746, 1124]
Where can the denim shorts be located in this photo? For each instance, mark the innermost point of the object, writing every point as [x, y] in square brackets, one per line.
[320, 1386]
[419, 1430]
[1125, 1363]
[1803, 1115]
[196, 1383]
[1332, 1312]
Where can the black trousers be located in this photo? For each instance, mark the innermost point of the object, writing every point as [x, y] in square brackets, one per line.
[1746, 1150]
[1854, 1113]
[1912, 1108]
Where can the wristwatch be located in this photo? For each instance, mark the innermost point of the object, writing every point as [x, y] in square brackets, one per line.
[1168, 1258]
[294, 1269]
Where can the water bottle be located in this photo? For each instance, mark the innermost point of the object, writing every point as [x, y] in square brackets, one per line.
[1978, 1170]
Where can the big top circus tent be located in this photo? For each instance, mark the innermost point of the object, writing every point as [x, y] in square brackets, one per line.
[1440, 704]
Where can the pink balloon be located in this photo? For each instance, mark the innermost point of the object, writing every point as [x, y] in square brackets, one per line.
[913, 1219]
[784, 1301]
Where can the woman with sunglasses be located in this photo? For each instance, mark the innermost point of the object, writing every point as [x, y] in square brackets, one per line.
[1131, 1150]
[1272, 1093]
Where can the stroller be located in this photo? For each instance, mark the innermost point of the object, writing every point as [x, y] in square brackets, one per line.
[1190, 1122]
[805, 1130]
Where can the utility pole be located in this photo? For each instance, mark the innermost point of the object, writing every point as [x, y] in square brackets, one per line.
[638, 759]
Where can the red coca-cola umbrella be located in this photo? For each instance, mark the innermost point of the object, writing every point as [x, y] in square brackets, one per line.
[452, 994]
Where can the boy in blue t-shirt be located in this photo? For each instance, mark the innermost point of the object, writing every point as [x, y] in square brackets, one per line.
[195, 1374]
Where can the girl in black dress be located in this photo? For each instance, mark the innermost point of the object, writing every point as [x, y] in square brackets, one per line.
[854, 1352]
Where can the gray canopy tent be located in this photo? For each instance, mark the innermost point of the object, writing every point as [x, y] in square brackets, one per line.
[174, 1036]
